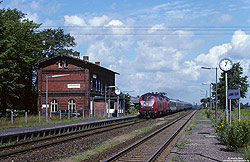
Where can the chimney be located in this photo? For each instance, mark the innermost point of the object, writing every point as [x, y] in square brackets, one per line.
[76, 55]
[97, 63]
[85, 58]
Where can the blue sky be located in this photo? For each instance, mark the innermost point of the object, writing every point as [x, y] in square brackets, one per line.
[155, 45]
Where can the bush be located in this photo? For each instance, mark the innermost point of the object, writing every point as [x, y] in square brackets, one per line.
[247, 153]
[234, 136]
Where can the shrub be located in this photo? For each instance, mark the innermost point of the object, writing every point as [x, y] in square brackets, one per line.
[247, 153]
[234, 136]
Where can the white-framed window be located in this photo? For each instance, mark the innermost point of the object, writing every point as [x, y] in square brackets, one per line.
[66, 64]
[60, 64]
[96, 85]
[99, 85]
[91, 84]
[72, 105]
[53, 105]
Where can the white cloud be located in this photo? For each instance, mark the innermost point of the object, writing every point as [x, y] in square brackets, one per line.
[215, 53]
[178, 14]
[241, 43]
[156, 27]
[34, 5]
[225, 18]
[114, 23]
[98, 21]
[99, 51]
[48, 22]
[245, 65]
[190, 70]
[157, 58]
[74, 20]
[32, 17]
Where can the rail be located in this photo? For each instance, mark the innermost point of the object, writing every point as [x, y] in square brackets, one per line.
[135, 145]
[23, 136]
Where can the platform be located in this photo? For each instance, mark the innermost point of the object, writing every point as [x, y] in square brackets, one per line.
[202, 145]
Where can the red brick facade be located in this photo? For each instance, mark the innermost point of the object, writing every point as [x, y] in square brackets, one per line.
[82, 89]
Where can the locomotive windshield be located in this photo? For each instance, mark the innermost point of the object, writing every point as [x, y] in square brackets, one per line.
[147, 101]
[147, 98]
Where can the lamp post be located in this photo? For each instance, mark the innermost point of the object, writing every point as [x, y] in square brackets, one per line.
[47, 77]
[105, 111]
[107, 87]
[216, 95]
[209, 93]
[205, 95]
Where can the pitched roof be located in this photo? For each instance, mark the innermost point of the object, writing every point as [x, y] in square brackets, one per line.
[72, 60]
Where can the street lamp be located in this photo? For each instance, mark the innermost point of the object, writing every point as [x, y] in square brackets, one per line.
[209, 92]
[216, 96]
[109, 99]
[205, 96]
[47, 77]
[204, 91]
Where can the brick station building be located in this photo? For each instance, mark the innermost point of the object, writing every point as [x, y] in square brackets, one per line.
[81, 89]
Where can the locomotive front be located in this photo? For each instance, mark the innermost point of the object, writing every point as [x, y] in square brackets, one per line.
[147, 107]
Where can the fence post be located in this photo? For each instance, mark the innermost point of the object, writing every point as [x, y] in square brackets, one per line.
[60, 115]
[11, 115]
[83, 113]
[39, 114]
[26, 116]
[68, 114]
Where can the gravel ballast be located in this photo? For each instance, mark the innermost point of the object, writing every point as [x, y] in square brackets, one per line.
[75, 149]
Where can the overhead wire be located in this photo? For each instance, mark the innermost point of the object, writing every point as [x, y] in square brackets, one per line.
[152, 30]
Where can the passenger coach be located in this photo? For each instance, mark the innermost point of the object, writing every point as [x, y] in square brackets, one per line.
[156, 104]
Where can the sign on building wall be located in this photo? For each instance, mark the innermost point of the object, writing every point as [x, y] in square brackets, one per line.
[73, 85]
[234, 94]
[44, 106]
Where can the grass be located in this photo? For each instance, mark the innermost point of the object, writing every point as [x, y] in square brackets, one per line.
[105, 146]
[145, 129]
[182, 144]
[191, 127]
[97, 149]
[176, 157]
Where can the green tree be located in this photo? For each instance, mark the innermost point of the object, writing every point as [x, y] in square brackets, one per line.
[55, 41]
[235, 81]
[127, 102]
[18, 48]
[22, 45]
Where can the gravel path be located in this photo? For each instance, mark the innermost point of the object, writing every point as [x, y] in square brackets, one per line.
[202, 146]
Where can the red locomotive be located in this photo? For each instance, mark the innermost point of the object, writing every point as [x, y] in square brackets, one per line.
[157, 104]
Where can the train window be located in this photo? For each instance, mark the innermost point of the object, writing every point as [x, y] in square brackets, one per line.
[147, 98]
[144, 98]
[150, 98]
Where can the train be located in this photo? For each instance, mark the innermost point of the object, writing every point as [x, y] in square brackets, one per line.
[155, 104]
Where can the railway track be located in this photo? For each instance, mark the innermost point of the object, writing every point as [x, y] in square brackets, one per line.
[150, 147]
[24, 147]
